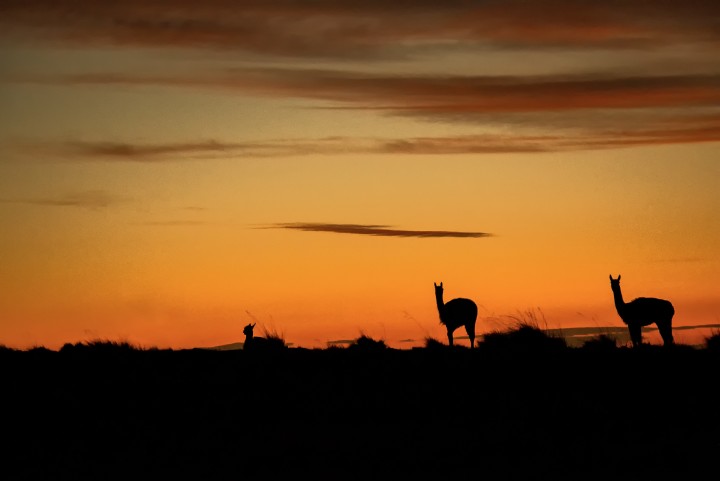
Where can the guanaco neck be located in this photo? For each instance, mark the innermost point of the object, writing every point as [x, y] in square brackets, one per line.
[617, 295]
[439, 300]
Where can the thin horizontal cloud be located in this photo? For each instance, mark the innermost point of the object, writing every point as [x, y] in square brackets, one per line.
[656, 131]
[437, 95]
[371, 28]
[372, 230]
[610, 330]
[90, 199]
[94, 151]
[577, 336]
[140, 151]
[157, 152]
[559, 142]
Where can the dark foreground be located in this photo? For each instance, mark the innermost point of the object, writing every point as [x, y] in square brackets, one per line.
[112, 413]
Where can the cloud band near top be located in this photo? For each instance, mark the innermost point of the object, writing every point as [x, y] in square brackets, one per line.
[362, 29]
[553, 109]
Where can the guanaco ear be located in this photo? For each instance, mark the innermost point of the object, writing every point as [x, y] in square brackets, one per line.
[610, 276]
[619, 276]
[441, 284]
[254, 325]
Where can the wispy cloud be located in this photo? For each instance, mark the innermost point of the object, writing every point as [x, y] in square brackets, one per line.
[146, 151]
[372, 230]
[690, 129]
[155, 152]
[546, 113]
[438, 95]
[90, 199]
[603, 107]
[94, 151]
[173, 152]
[371, 28]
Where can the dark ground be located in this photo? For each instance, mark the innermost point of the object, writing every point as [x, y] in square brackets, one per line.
[107, 412]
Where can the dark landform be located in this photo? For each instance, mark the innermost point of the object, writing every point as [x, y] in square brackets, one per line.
[521, 405]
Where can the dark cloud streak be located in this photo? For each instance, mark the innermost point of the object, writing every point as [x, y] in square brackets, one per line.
[373, 230]
[149, 152]
[90, 151]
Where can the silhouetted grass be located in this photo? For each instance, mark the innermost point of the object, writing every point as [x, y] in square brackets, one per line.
[522, 405]
[601, 342]
[712, 342]
[434, 344]
[274, 339]
[100, 346]
[367, 344]
[525, 335]
[332, 347]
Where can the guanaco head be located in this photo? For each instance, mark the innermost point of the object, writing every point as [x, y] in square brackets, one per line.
[438, 288]
[248, 330]
[615, 283]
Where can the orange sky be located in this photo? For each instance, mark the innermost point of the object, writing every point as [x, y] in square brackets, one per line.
[171, 172]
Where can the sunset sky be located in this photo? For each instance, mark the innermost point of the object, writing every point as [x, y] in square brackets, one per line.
[173, 170]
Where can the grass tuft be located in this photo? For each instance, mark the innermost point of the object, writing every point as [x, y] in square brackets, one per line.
[274, 338]
[367, 344]
[100, 346]
[525, 334]
[602, 342]
[434, 344]
[712, 342]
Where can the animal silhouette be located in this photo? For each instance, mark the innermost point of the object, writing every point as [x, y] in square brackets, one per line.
[643, 311]
[455, 313]
[252, 342]
[256, 343]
